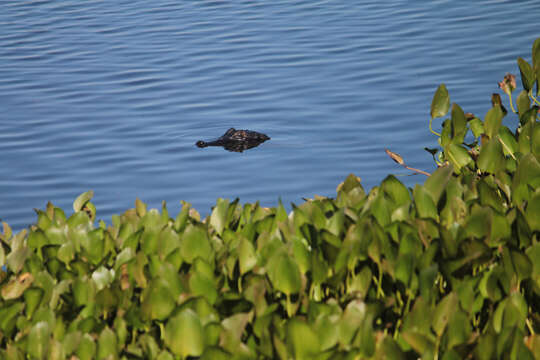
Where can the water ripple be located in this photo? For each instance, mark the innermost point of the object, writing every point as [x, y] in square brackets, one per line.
[112, 96]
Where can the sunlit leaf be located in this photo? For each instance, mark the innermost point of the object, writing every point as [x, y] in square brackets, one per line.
[107, 343]
[527, 74]
[158, 301]
[477, 127]
[247, 258]
[87, 348]
[440, 103]
[184, 334]
[302, 339]
[284, 273]
[523, 103]
[194, 243]
[81, 200]
[491, 158]
[458, 156]
[16, 287]
[493, 121]
[218, 218]
[424, 203]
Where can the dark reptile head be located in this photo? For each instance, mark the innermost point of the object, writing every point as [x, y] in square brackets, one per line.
[201, 144]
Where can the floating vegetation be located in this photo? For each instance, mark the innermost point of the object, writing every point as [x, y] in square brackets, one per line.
[449, 269]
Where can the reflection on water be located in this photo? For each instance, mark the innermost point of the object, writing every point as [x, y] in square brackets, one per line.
[111, 96]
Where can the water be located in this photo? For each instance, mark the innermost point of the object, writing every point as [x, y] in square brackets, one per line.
[112, 95]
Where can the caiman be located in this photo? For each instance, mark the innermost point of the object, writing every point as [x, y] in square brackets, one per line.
[236, 140]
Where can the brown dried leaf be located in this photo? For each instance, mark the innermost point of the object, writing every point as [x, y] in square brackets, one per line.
[396, 157]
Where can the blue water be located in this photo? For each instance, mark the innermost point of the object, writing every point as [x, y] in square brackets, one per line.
[112, 95]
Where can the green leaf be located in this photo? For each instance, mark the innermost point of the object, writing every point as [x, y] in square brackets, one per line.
[140, 207]
[38, 340]
[218, 218]
[477, 127]
[493, 121]
[440, 103]
[508, 141]
[107, 344]
[491, 158]
[158, 301]
[351, 320]
[184, 334]
[32, 298]
[459, 328]
[523, 103]
[202, 285]
[532, 213]
[247, 258]
[458, 156]
[424, 203]
[435, 185]
[87, 348]
[102, 277]
[302, 339]
[81, 200]
[284, 273]
[194, 244]
[444, 312]
[527, 74]
[459, 124]
[396, 190]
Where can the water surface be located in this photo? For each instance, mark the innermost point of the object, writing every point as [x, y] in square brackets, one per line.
[111, 96]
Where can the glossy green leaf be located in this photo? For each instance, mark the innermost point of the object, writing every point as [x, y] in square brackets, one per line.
[440, 103]
[107, 343]
[32, 298]
[458, 156]
[532, 213]
[158, 301]
[491, 158]
[194, 243]
[395, 189]
[459, 124]
[477, 127]
[218, 218]
[523, 103]
[38, 340]
[446, 308]
[424, 203]
[459, 328]
[527, 74]
[435, 185]
[284, 273]
[102, 277]
[81, 200]
[87, 348]
[202, 285]
[508, 141]
[140, 207]
[493, 121]
[184, 334]
[247, 258]
[302, 339]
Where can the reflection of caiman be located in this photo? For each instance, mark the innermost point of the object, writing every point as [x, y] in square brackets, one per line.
[236, 140]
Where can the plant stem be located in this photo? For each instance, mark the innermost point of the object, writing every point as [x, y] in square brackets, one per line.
[431, 129]
[511, 103]
[534, 98]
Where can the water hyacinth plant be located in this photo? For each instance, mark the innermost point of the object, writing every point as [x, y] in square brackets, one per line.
[447, 270]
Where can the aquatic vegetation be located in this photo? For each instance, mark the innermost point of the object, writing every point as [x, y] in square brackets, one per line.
[449, 269]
